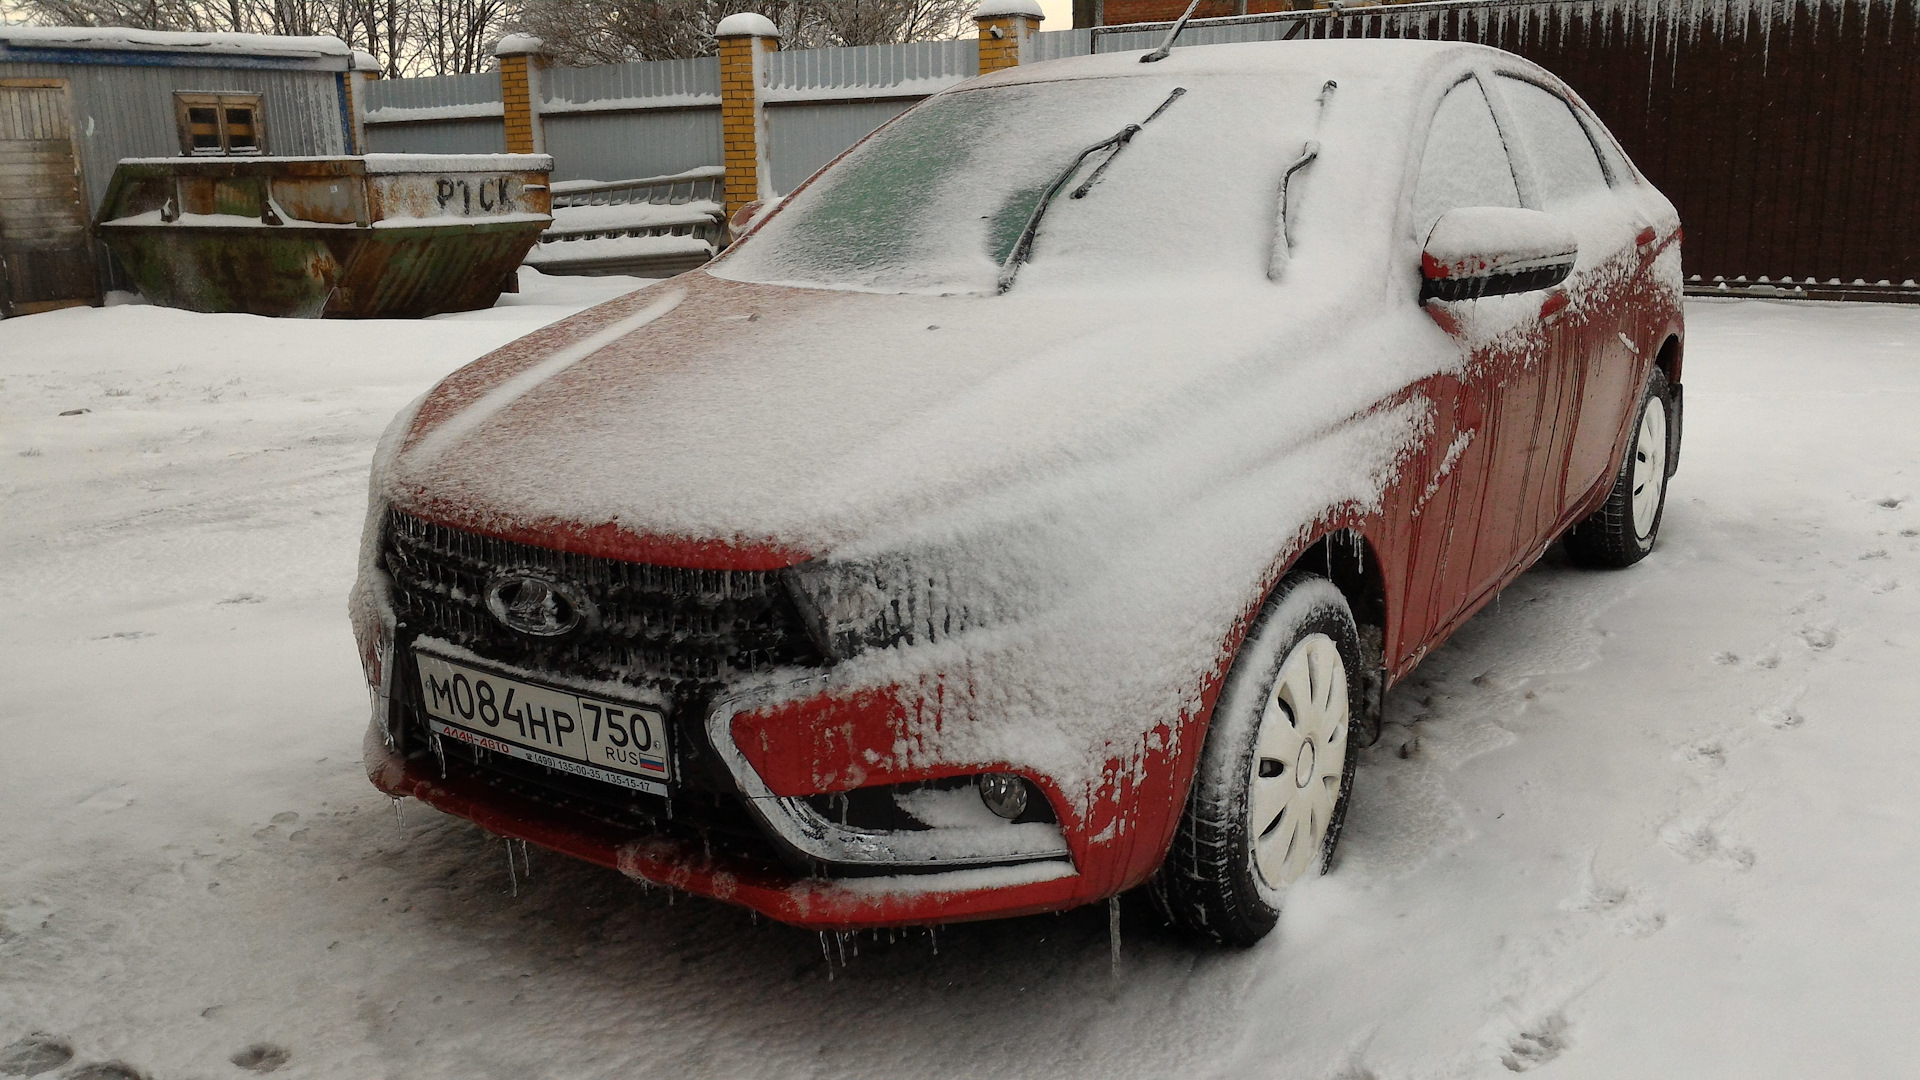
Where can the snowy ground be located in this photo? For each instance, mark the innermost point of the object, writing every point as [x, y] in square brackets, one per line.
[1652, 823]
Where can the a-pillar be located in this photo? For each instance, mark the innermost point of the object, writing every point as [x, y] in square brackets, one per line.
[357, 83]
[520, 92]
[1006, 32]
[744, 40]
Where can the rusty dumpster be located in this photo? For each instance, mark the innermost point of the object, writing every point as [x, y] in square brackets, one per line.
[379, 236]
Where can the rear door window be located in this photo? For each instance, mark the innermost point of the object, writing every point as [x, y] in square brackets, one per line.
[1563, 159]
[1465, 163]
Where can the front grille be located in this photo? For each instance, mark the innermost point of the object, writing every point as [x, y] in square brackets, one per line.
[681, 632]
[676, 629]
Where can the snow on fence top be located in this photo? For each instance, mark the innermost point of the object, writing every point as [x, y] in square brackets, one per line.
[637, 84]
[436, 93]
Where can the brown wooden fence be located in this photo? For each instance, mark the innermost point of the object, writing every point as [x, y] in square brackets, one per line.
[1787, 132]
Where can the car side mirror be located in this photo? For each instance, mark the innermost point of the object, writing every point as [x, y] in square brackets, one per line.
[1476, 251]
[744, 216]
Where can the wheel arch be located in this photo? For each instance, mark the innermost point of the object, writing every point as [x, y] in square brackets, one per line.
[1669, 357]
[1350, 559]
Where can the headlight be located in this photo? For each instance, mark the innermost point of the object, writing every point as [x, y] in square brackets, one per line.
[852, 606]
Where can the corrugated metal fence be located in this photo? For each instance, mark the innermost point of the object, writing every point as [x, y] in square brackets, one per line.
[624, 121]
[451, 114]
[1787, 131]
[821, 101]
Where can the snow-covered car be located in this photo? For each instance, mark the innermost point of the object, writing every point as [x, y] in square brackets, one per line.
[1038, 502]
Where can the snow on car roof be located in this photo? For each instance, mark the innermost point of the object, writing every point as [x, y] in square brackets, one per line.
[1402, 62]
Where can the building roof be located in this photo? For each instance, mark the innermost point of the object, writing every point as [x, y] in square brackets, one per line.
[126, 46]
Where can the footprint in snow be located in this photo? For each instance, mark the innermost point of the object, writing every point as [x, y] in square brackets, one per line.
[1780, 717]
[1533, 1048]
[1726, 659]
[1618, 905]
[105, 1070]
[1709, 754]
[35, 1054]
[1890, 502]
[1697, 842]
[1818, 637]
[1876, 553]
[262, 1057]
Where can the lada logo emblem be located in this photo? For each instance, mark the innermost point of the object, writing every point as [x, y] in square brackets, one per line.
[535, 605]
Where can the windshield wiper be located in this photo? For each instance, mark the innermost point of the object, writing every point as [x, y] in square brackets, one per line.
[1081, 191]
[1166, 47]
[1117, 142]
[1283, 225]
[1282, 228]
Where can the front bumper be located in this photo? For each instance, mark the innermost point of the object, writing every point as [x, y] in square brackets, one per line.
[917, 899]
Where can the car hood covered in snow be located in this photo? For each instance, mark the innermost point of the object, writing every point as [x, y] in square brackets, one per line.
[812, 421]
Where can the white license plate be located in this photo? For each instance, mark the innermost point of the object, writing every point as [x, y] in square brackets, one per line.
[619, 742]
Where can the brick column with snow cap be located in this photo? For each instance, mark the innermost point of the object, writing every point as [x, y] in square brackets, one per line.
[744, 41]
[520, 92]
[1006, 32]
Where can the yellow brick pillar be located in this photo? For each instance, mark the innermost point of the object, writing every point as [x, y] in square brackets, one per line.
[519, 56]
[358, 79]
[744, 39]
[1006, 32]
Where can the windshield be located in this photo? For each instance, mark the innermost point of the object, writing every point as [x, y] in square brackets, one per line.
[937, 201]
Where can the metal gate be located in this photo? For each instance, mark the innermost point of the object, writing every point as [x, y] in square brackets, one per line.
[1787, 132]
[45, 256]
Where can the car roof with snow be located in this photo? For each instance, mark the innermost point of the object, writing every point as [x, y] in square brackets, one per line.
[1397, 61]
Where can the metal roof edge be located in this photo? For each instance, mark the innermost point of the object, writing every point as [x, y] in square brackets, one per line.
[52, 52]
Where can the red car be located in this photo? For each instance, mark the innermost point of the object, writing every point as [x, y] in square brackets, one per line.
[1039, 501]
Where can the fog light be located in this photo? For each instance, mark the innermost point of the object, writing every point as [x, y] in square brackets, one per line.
[1004, 793]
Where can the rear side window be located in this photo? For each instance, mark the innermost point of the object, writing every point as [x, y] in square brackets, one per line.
[1557, 145]
[1618, 171]
[1465, 163]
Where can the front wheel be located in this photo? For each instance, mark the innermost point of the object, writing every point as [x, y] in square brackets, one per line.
[1271, 790]
[1622, 531]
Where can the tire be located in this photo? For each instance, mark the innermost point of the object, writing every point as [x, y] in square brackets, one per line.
[1623, 530]
[1285, 714]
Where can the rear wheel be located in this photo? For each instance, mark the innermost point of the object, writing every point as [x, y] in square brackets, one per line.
[1622, 531]
[1271, 790]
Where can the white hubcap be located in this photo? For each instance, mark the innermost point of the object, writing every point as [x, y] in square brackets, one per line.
[1649, 467]
[1298, 761]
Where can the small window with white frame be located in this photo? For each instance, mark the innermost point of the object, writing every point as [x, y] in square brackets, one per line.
[212, 124]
